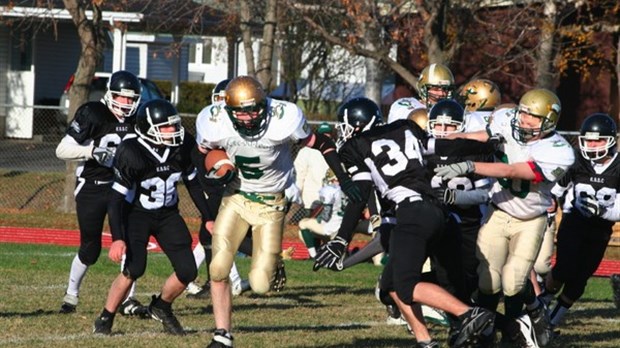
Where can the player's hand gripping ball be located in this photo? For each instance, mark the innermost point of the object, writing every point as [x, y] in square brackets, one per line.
[219, 166]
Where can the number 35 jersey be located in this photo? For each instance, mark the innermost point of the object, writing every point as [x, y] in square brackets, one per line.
[148, 176]
[549, 158]
[599, 182]
[390, 156]
[265, 162]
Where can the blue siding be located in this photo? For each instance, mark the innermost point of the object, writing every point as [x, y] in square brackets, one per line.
[160, 65]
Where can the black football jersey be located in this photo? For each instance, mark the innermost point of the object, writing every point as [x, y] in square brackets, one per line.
[390, 156]
[94, 121]
[586, 182]
[148, 175]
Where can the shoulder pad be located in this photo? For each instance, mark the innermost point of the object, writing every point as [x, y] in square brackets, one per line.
[286, 118]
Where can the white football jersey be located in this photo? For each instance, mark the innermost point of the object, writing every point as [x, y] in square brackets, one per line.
[264, 163]
[550, 158]
[402, 107]
[476, 120]
[332, 195]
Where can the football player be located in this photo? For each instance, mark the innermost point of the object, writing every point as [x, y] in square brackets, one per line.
[480, 97]
[591, 207]
[390, 158]
[213, 194]
[96, 130]
[147, 170]
[256, 132]
[435, 83]
[530, 161]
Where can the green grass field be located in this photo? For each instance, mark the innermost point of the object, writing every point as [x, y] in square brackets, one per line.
[322, 309]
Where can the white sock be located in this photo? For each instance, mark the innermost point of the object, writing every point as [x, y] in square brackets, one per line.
[199, 254]
[312, 252]
[132, 291]
[234, 274]
[76, 275]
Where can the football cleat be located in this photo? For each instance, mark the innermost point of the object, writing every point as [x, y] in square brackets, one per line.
[221, 339]
[435, 316]
[431, 344]
[69, 304]
[239, 287]
[167, 318]
[280, 278]
[193, 288]
[477, 325]
[103, 326]
[615, 285]
[394, 316]
[133, 307]
[526, 337]
[542, 325]
[204, 292]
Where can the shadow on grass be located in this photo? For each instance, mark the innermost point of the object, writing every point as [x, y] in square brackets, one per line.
[36, 313]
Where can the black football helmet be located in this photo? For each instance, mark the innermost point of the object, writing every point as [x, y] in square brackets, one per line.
[598, 126]
[219, 91]
[125, 84]
[447, 112]
[153, 115]
[355, 116]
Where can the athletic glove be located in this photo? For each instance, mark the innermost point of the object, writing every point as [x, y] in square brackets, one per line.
[351, 190]
[445, 195]
[104, 155]
[587, 206]
[455, 169]
[331, 255]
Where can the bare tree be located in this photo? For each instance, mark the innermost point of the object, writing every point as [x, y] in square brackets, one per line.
[91, 35]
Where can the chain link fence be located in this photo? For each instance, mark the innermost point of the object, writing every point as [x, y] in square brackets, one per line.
[32, 177]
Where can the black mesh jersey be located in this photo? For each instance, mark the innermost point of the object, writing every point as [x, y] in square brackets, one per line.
[586, 182]
[93, 121]
[148, 175]
[390, 156]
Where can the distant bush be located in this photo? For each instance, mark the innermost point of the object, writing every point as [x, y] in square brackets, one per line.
[193, 95]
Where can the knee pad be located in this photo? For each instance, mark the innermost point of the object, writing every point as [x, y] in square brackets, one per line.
[127, 273]
[89, 257]
[187, 273]
[220, 266]
[259, 281]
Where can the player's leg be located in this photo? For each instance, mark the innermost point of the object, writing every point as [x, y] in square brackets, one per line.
[91, 211]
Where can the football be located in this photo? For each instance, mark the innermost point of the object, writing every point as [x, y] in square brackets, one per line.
[217, 163]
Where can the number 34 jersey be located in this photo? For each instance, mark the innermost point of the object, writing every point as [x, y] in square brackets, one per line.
[549, 158]
[265, 162]
[599, 182]
[390, 156]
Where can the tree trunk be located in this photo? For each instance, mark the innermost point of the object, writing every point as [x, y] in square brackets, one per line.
[265, 57]
[246, 36]
[545, 78]
[91, 41]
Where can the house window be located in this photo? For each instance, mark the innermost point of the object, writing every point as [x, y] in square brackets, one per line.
[201, 53]
[21, 52]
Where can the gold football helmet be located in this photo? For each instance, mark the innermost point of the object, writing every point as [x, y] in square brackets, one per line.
[480, 94]
[540, 103]
[435, 76]
[419, 116]
[246, 105]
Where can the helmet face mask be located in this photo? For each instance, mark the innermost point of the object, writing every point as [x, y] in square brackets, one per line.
[539, 104]
[219, 91]
[480, 94]
[435, 83]
[123, 94]
[445, 118]
[246, 106]
[597, 138]
[158, 122]
[356, 116]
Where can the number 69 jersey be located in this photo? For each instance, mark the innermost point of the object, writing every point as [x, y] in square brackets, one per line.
[265, 162]
[549, 158]
[600, 182]
[390, 156]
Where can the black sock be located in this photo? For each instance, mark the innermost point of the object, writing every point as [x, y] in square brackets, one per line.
[159, 303]
[106, 314]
